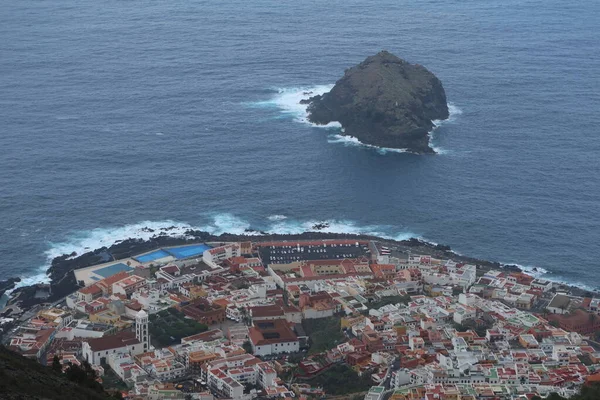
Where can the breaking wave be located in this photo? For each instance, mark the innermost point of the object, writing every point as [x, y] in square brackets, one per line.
[531, 270]
[453, 112]
[218, 223]
[352, 141]
[276, 217]
[287, 101]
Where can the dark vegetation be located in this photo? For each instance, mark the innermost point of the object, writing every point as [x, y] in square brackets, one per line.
[341, 379]
[24, 379]
[470, 324]
[247, 346]
[169, 326]
[324, 333]
[389, 300]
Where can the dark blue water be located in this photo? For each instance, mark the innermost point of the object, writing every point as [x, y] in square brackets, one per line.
[119, 114]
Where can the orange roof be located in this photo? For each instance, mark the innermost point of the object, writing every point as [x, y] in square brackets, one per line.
[272, 331]
[593, 378]
[222, 302]
[113, 279]
[92, 289]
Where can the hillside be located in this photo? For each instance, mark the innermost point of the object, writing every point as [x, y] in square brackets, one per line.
[24, 379]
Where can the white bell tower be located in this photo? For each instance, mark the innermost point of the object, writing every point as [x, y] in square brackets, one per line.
[141, 329]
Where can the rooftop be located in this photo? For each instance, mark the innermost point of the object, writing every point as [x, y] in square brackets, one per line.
[121, 339]
[273, 331]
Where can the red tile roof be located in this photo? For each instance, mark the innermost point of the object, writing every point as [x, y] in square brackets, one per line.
[121, 339]
[270, 332]
[108, 282]
[93, 289]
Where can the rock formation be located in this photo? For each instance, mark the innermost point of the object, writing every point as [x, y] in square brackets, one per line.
[384, 101]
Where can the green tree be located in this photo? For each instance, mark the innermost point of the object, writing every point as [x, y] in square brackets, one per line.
[56, 365]
[247, 346]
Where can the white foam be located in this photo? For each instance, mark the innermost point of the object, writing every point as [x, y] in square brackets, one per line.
[291, 227]
[453, 112]
[218, 223]
[276, 217]
[84, 241]
[353, 141]
[39, 276]
[287, 100]
[226, 223]
[543, 273]
[529, 269]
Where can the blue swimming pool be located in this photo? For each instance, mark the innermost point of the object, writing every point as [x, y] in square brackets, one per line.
[155, 255]
[188, 251]
[112, 269]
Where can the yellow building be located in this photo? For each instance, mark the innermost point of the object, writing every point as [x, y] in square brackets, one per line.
[109, 318]
[197, 291]
[350, 321]
[55, 316]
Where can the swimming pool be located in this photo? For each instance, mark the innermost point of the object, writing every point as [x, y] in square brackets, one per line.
[188, 251]
[155, 255]
[112, 269]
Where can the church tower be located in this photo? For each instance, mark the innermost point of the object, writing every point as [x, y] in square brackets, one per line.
[141, 329]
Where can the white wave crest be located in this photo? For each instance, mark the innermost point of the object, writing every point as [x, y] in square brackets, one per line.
[39, 276]
[84, 241]
[453, 112]
[353, 141]
[218, 223]
[291, 227]
[276, 217]
[287, 100]
[529, 269]
[226, 223]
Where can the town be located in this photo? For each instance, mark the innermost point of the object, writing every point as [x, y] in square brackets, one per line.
[311, 319]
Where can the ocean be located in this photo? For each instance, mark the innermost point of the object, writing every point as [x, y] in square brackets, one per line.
[122, 114]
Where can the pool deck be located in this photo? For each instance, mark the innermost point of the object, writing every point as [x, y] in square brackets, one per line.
[85, 274]
[174, 253]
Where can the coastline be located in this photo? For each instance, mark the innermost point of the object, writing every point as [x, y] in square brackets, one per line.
[62, 280]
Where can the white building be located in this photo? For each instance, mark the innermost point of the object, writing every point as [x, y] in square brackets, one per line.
[401, 377]
[96, 351]
[214, 256]
[273, 337]
[223, 385]
[559, 304]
